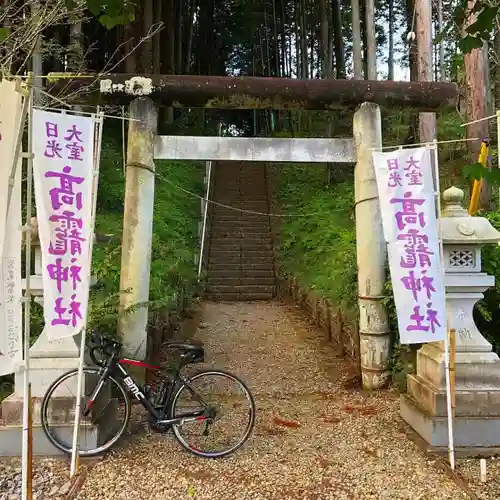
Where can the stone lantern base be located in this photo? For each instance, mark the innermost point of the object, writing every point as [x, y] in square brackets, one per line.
[477, 368]
[477, 406]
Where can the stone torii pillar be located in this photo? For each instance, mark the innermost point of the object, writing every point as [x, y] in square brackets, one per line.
[374, 333]
[138, 226]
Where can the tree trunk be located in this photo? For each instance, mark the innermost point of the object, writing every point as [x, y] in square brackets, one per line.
[475, 91]
[157, 39]
[496, 67]
[130, 35]
[276, 46]
[423, 11]
[169, 22]
[390, 62]
[298, 57]
[303, 39]
[147, 48]
[442, 62]
[190, 35]
[371, 40]
[356, 41]
[325, 39]
[178, 38]
[36, 59]
[205, 50]
[338, 39]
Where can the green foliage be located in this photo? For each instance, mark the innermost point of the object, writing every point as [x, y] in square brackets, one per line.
[318, 248]
[478, 31]
[478, 171]
[174, 243]
[4, 33]
[111, 13]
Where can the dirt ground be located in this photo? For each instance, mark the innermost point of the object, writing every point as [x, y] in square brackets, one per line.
[315, 438]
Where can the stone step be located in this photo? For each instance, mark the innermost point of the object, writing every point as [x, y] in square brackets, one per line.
[246, 252]
[241, 266]
[242, 289]
[247, 234]
[215, 274]
[239, 259]
[239, 244]
[240, 280]
[238, 297]
[243, 223]
[237, 209]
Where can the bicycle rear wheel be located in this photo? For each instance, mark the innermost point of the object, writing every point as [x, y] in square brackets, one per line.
[101, 428]
[228, 410]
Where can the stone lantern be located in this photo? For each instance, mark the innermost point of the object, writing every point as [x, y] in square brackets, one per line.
[477, 369]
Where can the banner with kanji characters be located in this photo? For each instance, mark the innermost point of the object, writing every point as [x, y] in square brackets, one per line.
[63, 147]
[10, 231]
[407, 202]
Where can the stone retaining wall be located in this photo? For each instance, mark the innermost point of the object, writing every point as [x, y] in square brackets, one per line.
[340, 327]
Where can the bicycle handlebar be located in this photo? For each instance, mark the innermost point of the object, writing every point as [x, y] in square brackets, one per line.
[98, 343]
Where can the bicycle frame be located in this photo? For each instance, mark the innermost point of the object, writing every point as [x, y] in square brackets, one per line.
[116, 364]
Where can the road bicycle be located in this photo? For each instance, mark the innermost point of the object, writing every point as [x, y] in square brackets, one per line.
[106, 406]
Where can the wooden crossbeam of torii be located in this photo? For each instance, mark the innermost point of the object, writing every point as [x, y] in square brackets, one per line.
[227, 92]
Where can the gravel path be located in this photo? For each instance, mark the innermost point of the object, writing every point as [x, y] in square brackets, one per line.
[50, 479]
[315, 438]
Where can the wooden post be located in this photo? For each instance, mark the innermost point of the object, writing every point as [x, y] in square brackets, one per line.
[423, 11]
[375, 340]
[452, 370]
[138, 225]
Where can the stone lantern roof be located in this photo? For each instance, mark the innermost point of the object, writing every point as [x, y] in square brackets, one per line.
[458, 227]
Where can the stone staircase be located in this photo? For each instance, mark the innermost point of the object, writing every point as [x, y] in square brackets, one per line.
[240, 249]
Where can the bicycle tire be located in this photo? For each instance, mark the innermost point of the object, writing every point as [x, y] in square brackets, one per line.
[64, 447]
[250, 425]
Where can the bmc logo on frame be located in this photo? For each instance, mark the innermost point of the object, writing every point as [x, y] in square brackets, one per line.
[133, 388]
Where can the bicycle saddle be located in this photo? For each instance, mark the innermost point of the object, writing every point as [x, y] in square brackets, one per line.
[181, 346]
[191, 353]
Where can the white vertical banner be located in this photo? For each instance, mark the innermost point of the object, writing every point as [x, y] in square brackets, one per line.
[10, 230]
[407, 202]
[63, 147]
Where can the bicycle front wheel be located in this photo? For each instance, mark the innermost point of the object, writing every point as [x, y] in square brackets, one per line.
[107, 417]
[225, 409]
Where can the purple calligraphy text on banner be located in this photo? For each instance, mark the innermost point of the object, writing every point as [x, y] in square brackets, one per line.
[407, 203]
[75, 151]
[409, 214]
[53, 149]
[417, 284]
[417, 253]
[67, 315]
[73, 134]
[395, 178]
[63, 175]
[51, 129]
[425, 321]
[64, 194]
[413, 173]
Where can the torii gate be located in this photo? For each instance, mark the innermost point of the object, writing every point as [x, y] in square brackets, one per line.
[363, 96]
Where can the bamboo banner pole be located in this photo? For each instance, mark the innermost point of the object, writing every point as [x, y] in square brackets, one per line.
[452, 370]
[27, 295]
[478, 184]
[29, 493]
[98, 126]
[451, 445]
